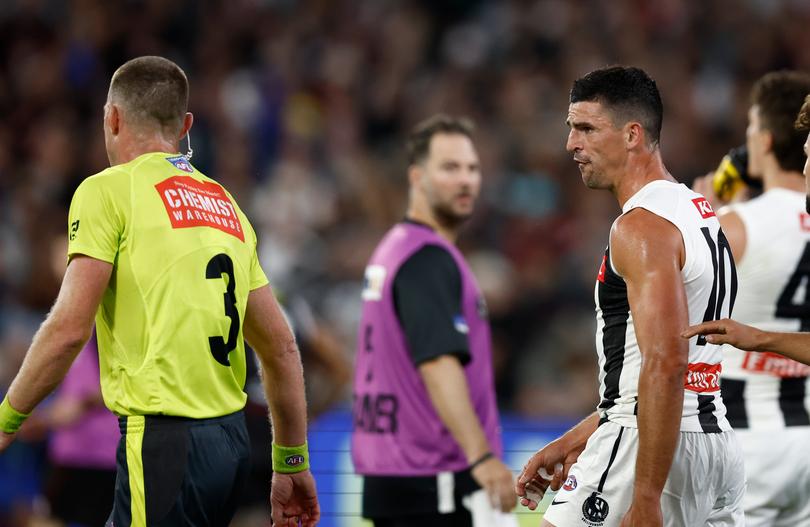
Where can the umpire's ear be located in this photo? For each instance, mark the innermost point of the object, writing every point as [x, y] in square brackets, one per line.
[112, 118]
[188, 120]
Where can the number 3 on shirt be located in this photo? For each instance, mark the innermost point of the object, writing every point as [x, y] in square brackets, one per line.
[217, 266]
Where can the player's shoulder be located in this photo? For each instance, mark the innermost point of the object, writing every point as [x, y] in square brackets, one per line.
[108, 178]
[640, 223]
[428, 263]
[432, 255]
[662, 197]
[644, 233]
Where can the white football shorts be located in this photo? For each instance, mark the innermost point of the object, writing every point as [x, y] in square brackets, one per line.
[705, 487]
[777, 467]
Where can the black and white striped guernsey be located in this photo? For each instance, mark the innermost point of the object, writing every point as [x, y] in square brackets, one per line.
[710, 282]
[765, 391]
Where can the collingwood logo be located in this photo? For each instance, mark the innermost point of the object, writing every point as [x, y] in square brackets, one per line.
[595, 510]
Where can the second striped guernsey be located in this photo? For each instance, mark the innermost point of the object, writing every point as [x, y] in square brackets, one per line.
[710, 282]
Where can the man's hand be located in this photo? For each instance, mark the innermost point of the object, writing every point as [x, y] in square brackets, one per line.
[556, 460]
[496, 479]
[727, 331]
[644, 513]
[293, 498]
[6, 440]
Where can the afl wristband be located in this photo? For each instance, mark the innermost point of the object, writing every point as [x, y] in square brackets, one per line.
[481, 459]
[10, 419]
[290, 459]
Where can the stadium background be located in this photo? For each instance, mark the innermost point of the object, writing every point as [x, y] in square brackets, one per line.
[301, 110]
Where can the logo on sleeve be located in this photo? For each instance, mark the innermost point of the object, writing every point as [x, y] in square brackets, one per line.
[181, 162]
[74, 228]
[460, 323]
[192, 203]
[704, 207]
[373, 283]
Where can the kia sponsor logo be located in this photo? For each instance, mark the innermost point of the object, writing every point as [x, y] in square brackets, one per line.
[704, 207]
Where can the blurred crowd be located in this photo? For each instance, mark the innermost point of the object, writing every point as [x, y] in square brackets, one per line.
[302, 108]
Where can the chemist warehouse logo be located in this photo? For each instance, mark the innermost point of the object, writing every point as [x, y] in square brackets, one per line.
[192, 203]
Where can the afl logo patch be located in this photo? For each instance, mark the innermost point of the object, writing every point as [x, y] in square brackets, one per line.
[595, 510]
[294, 461]
[570, 483]
[181, 162]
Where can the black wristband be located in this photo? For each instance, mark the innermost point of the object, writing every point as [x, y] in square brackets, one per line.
[481, 460]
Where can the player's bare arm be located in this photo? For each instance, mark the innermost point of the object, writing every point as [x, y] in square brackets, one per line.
[293, 496]
[61, 337]
[734, 230]
[447, 386]
[648, 252]
[556, 459]
[795, 346]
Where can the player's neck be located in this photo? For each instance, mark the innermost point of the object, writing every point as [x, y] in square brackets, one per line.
[774, 177]
[638, 172]
[127, 150]
[421, 215]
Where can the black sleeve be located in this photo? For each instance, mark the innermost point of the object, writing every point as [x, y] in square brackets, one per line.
[427, 299]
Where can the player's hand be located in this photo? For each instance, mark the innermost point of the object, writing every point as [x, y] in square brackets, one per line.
[496, 479]
[293, 497]
[644, 513]
[6, 440]
[555, 460]
[727, 331]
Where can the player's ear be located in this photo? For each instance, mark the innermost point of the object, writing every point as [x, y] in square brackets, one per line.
[633, 134]
[415, 172]
[112, 118]
[767, 140]
[188, 120]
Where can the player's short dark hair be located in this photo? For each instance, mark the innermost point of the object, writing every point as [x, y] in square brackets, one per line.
[803, 120]
[628, 93]
[778, 96]
[154, 90]
[419, 139]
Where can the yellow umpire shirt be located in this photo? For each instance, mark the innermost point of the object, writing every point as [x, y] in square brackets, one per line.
[184, 260]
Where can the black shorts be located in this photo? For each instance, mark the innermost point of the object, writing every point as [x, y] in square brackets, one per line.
[391, 501]
[177, 471]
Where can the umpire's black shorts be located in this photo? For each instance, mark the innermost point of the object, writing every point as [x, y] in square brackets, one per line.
[175, 471]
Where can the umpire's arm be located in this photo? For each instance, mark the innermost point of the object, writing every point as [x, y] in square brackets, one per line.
[61, 336]
[293, 496]
[268, 333]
